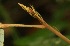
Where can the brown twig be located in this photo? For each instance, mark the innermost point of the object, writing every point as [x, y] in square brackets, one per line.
[20, 25]
[35, 14]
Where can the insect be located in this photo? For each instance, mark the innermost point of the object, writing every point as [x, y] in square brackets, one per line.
[31, 11]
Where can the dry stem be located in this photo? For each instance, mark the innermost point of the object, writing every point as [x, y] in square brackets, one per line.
[20, 25]
[35, 14]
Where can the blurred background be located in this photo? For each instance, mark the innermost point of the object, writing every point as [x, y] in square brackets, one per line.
[55, 12]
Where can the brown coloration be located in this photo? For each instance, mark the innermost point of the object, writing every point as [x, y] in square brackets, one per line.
[31, 11]
[20, 25]
[36, 15]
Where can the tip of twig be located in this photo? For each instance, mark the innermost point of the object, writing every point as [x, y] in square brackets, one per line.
[31, 11]
[18, 3]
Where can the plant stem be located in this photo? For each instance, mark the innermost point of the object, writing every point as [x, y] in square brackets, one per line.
[36, 15]
[20, 25]
[54, 30]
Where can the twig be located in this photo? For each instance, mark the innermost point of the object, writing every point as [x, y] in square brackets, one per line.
[20, 25]
[35, 14]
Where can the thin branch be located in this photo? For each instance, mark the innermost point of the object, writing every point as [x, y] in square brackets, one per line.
[20, 25]
[35, 14]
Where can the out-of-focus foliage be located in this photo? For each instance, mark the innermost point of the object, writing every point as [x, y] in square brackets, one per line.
[42, 37]
[59, 10]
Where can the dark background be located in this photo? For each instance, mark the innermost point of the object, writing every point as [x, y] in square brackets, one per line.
[55, 12]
